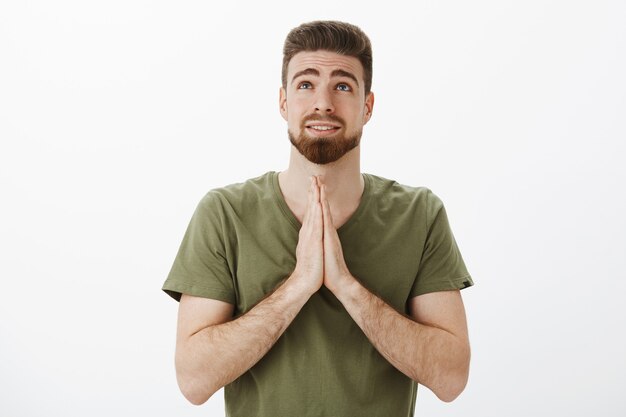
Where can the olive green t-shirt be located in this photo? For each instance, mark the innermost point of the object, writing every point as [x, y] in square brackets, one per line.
[240, 244]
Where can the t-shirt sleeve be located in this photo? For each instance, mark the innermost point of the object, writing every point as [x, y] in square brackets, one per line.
[441, 267]
[201, 267]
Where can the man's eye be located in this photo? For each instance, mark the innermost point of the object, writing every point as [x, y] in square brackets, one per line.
[304, 85]
[343, 87]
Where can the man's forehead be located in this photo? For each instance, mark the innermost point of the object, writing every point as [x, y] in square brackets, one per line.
[324, 61]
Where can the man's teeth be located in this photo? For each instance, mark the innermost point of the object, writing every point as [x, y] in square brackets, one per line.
[322, 127]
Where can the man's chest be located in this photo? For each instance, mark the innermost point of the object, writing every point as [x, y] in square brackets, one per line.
[385, 261]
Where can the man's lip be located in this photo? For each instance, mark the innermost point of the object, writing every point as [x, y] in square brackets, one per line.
[322, 124]
[329, 131]
[329, 128]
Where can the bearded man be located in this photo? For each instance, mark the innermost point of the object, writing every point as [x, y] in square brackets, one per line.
[321, 290]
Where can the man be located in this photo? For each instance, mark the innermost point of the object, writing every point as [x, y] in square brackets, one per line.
[319, 290]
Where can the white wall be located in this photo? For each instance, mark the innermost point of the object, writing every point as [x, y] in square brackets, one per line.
[116, 117]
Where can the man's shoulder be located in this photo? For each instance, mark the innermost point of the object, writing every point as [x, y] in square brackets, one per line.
[400, 197]
[381, 185]
[236, 194]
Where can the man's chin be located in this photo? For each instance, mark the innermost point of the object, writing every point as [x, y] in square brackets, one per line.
[332, 136]
[323, 150]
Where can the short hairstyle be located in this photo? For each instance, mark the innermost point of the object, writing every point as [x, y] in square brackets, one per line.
[328, 35]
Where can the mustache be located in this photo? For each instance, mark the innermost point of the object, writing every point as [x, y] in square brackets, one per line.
[318, 118]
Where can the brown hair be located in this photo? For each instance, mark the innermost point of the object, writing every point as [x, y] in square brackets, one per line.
[339, 37]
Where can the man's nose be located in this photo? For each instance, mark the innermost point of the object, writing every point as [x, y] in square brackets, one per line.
[324, 101]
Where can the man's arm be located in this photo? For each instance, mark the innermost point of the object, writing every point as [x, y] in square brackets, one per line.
[431, 347]
[212, 350]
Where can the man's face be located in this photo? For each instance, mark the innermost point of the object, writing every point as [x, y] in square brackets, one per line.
[324, 104]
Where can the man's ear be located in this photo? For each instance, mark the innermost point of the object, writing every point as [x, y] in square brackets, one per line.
[282, 102]
[369, 107]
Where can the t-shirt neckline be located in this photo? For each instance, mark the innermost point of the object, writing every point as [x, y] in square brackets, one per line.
[280, 199]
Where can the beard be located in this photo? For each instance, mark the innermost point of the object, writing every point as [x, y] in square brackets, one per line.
[325, 150]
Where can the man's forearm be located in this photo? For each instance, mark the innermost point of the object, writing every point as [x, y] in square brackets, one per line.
[431, 356]
[218, 354]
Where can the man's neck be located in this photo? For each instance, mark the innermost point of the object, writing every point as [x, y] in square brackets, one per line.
[343, 180]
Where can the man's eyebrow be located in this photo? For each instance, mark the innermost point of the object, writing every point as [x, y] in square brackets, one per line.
[335, 73]
[342, 73]
[308, 71]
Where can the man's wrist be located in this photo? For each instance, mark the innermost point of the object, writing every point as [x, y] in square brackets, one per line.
[301, 285]
[346, 287]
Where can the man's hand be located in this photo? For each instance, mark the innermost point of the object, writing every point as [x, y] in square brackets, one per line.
[309, 271]
[213, 349]
[336, 273]
[435, 353]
